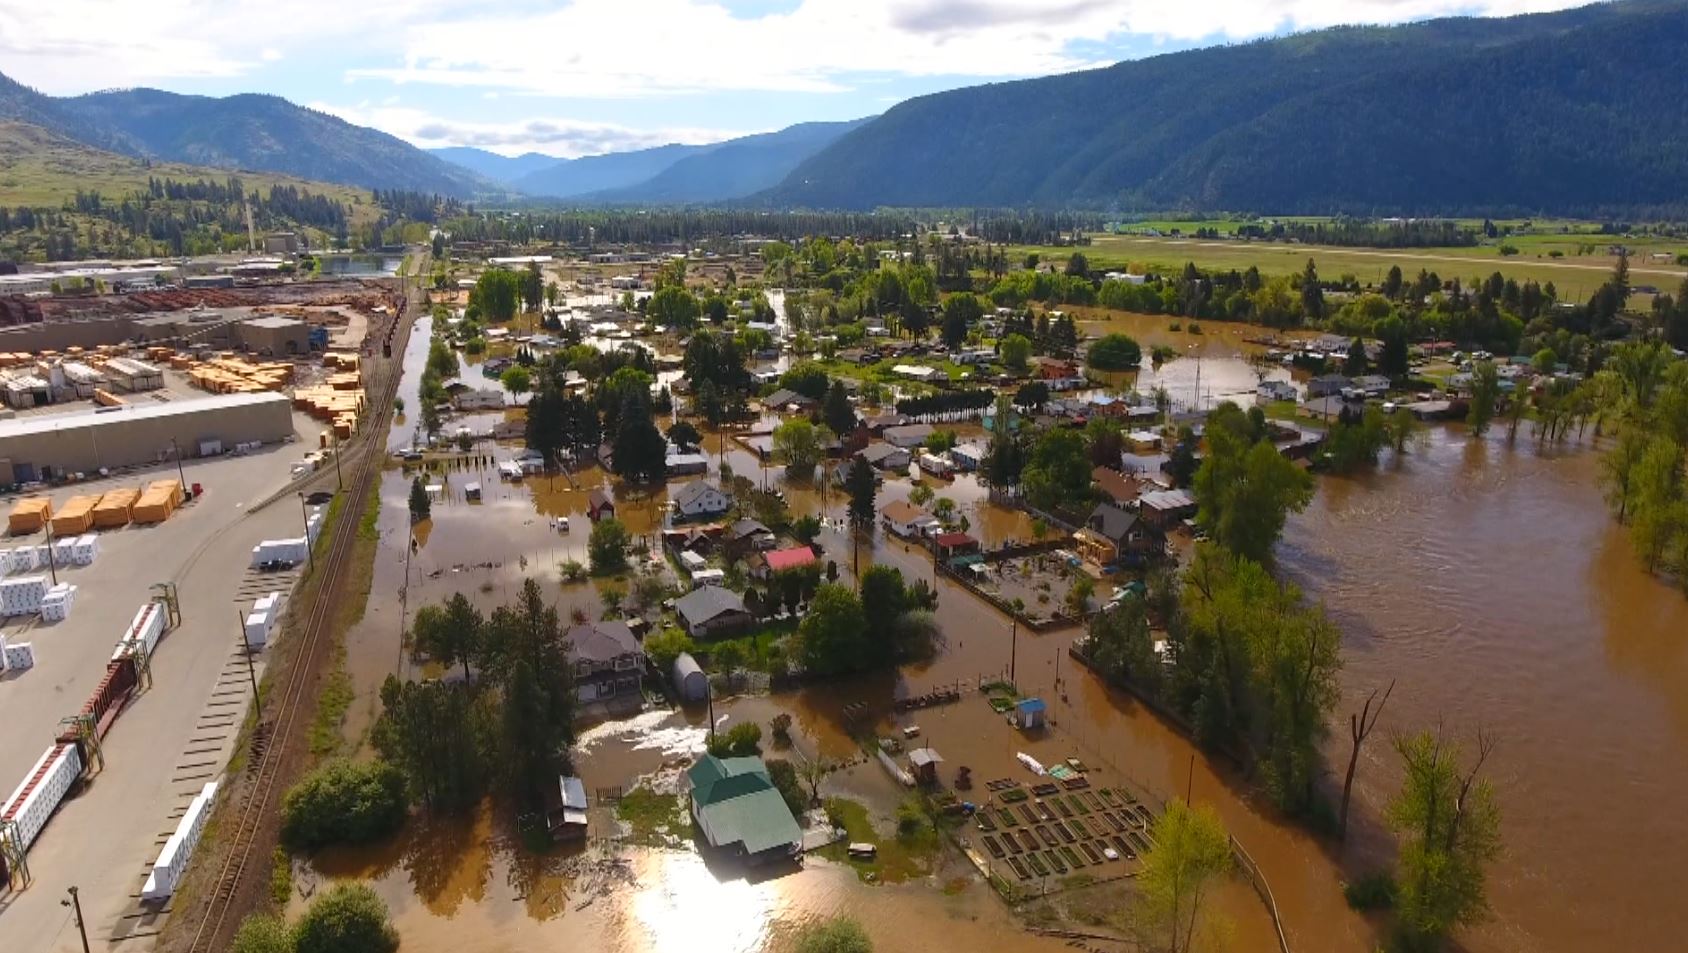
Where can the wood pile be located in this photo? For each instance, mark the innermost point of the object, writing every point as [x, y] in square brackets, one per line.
[30, 514]
[115, 507]
[75, 517]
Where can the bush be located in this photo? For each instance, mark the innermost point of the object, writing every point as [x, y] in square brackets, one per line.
[781, 726]
[262, 933]
[343, 803]
[349, 918]
[740, 741]
[606, 548]
[1374, 891]
[785, 780]
[838, 935]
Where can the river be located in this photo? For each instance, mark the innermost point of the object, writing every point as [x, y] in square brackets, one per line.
[1490, 582]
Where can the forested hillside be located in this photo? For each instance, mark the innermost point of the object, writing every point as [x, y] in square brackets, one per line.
[246, 132]
[1572, 113]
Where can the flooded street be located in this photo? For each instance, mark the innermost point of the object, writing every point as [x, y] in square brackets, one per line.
[1492, 584]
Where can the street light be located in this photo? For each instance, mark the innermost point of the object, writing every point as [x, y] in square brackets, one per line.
[180, 475]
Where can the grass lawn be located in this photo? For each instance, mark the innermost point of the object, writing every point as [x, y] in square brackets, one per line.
[900, 856]
[656, 820]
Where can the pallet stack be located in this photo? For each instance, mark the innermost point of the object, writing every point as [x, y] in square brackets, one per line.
[114, 508]
[22, 595]
[75, 517]
[55, 607]
[29, 515]
[157, 502]
[173, 860]
[42, 789]
[17, 656]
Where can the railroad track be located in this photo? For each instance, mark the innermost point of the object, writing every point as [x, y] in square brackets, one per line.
[271, 739]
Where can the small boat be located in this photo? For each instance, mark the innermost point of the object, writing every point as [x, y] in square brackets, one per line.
[1031, 763]
[863, 851]
[912, 731]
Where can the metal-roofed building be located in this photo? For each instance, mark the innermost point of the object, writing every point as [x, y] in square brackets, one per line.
[740, 811]
[42, 446]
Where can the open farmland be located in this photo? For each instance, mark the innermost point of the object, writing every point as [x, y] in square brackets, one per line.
[1574, 275]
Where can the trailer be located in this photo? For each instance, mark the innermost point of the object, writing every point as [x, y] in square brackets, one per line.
[142, 634]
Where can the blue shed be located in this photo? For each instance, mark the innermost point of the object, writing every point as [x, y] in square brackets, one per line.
[1029, 713]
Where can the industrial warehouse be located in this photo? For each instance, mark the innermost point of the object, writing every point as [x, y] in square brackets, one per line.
[45, 447]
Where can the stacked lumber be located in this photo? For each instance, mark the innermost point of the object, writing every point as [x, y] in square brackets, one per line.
[106, 398]
[157, 502]
[75, 517]
[115, 507]
[30, 514]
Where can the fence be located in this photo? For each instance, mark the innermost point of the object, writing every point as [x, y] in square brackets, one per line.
[1251, 870]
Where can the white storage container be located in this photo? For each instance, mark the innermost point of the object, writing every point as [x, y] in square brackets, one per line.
[257, 630]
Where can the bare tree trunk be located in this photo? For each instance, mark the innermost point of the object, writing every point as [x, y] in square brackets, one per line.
[1359, 726]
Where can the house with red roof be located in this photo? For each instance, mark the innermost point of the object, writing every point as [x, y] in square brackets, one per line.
[765, 565]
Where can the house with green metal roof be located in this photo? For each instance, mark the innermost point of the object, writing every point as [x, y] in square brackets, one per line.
[739, 810]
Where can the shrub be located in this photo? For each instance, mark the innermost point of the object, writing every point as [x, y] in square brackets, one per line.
[838, 935]
[343, 803]
[784, 777]
[740, 741]
[262, 933]
[1374, 891]
[781, 726]
[349, 918]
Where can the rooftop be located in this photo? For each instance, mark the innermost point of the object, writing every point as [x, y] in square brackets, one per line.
[602, 641]
[708, 602]
[130, 413]
[793, 558]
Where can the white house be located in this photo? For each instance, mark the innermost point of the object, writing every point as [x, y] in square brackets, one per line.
[884, 456]
[699, 499]
[1275, 390]
[906, 519]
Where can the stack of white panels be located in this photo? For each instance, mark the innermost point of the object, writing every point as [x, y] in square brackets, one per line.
[55, 606]
[42, 789]
[62, 550]
[19, 656]
[261, 622]
[178, 850]
[26, 559]
[23, 595]
[313, 523]
[290, 551]
[84, 549]
[5, 562]
[147, 626]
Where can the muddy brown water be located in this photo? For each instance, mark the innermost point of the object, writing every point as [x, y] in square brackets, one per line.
[1486, 579]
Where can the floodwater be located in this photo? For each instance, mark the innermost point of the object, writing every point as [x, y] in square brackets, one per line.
[361, 266]
[1490, 582]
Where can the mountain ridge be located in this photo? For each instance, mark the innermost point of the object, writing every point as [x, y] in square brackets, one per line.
[252, 131]
[1267, 124]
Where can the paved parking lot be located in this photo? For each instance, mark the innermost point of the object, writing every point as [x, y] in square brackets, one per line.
[173, 736]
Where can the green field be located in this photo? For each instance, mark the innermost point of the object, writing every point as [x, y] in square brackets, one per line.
[1575, 274]
[40, 169]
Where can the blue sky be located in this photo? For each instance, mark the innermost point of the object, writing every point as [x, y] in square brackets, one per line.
[577, 77]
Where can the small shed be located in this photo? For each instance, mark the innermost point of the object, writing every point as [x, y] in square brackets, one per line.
[565, 810]
[924, 764]
[599, 505]
[690, 682]
[1029, 713]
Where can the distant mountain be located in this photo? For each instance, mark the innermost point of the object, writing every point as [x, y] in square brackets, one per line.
[253, 132]
[498, 168]
[1572, 112]
[45, 169]
[734, 169]
[568, 178]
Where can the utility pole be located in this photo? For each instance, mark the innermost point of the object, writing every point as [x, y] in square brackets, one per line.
[1013, 645]
[75, 903]
[251, 673]
[305, 513]
[339, 480]
[181, 475]
[52, 565]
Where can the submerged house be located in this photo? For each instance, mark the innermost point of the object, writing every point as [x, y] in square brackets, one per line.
[739, 811]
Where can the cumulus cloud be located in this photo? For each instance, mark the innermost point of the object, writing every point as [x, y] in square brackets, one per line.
[616, 48]
[565, 138]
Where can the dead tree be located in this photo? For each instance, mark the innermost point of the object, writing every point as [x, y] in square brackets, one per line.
[1359, 727]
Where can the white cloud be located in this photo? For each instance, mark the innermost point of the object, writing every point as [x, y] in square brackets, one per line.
[612, 49]
[615, 49]
[565, 138]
